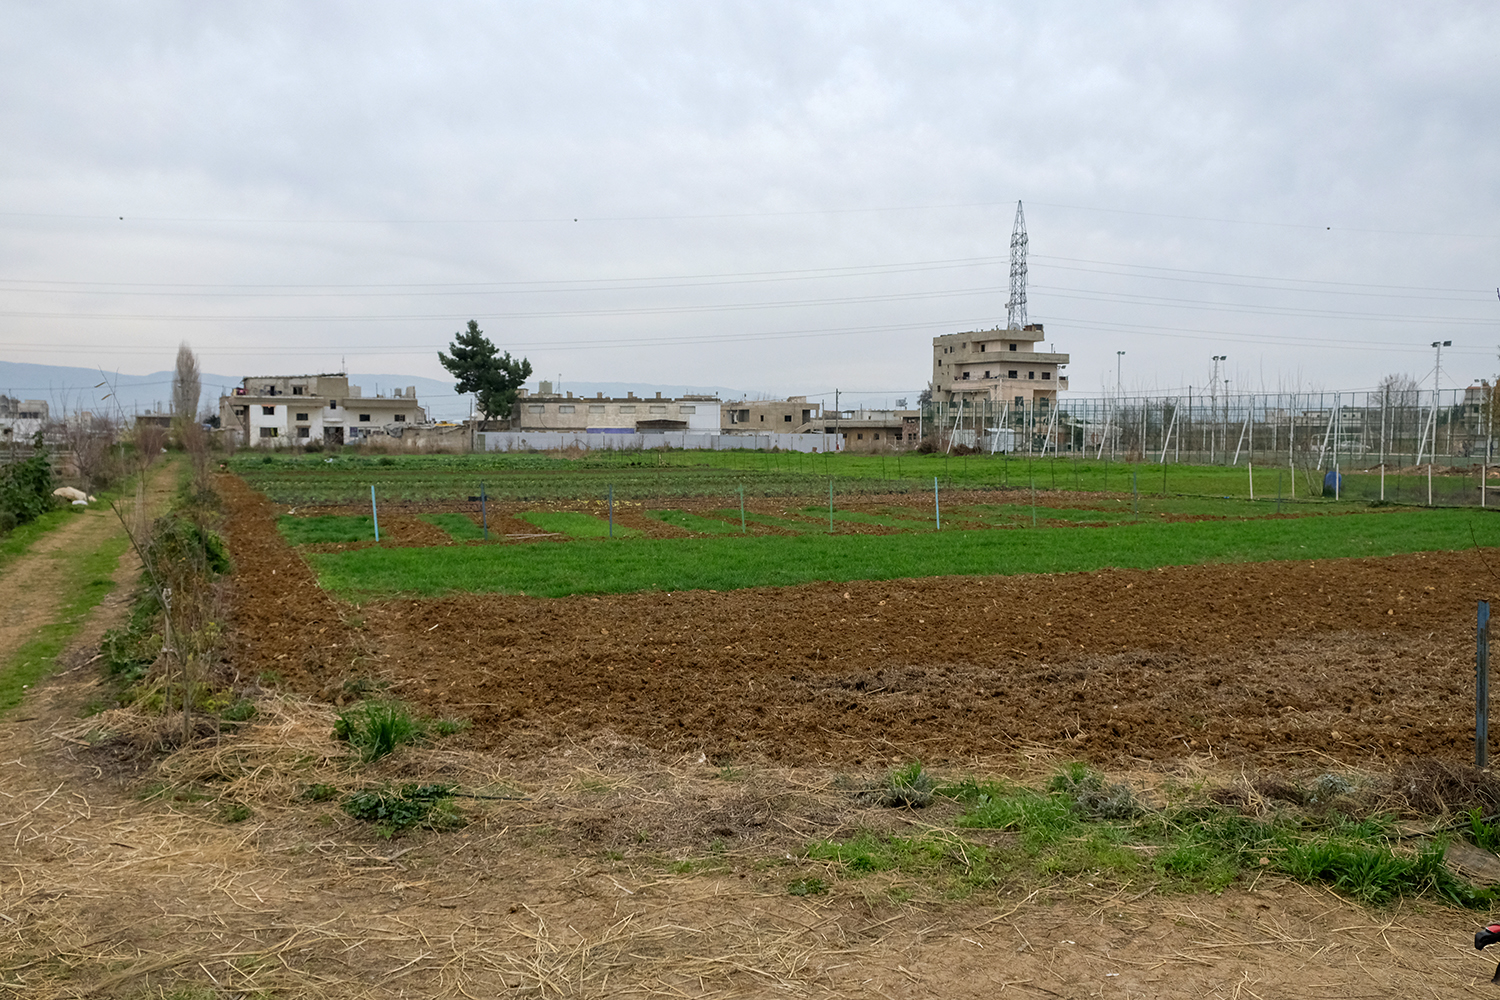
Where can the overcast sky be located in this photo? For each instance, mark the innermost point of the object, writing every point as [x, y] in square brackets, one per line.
[781, 197]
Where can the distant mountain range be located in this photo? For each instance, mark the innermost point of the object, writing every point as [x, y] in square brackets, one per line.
[68, 389]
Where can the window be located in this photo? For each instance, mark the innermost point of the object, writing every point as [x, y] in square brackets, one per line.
[986, 373]
[1046, 375]
[239, 411]
[624, 409]
[982, 347]
[364, 418]
[268, 432]
[269, 411]
[535, 408]
[787, 418]
[1013, 374]
[565, 408]
[301, 416]
[859, 437]
[966, 374]
[1020, 402]
[1012, 347]
[898, 435]
[299, 390]
[762, 418]
[303, 432]
[400, 418]
[877, 437]
[658, 409]
[333, 404]
[596, 407]
[687, 409]
[743, 417]
[1031, 374]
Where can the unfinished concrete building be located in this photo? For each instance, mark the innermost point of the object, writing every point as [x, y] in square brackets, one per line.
[271, 411]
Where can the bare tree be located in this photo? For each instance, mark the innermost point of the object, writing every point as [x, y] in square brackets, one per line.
[187, 386]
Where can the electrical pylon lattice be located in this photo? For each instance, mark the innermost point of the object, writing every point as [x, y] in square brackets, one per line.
[1015, 309]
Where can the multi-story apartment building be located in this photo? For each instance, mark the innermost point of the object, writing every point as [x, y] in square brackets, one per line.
[284, 410]
[999, 365]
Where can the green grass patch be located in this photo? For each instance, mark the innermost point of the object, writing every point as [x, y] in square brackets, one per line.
[728, 563]
[326, 528]
[88, 578]
[697, 524]
[460, 527]
[18, 540]
[574, 524]
[1083, 826]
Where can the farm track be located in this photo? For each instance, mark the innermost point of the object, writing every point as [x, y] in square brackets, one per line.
[1366, 661]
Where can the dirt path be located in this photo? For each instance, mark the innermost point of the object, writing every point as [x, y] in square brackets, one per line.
[33, 587]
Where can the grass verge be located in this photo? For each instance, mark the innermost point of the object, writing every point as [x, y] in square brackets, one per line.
[16, 542]
[89, 577]
[730, 563]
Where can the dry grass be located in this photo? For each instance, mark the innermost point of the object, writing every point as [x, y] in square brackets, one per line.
[557, 895]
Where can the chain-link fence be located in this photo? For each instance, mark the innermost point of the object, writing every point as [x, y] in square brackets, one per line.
[1396, 428]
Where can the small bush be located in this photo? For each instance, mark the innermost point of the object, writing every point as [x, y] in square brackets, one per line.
[234, 812]
[376, 728]
[428, 806]
[319, 793]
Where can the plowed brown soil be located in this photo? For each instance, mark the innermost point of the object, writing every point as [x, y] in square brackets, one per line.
[1366, 660]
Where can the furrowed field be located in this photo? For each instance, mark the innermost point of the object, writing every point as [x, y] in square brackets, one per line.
[745, 724]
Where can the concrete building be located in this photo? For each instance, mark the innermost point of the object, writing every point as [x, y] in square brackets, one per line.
[999, 365]
[20, 419]
[875, 430]
[615, 415]
[793, 415]
[287, 410]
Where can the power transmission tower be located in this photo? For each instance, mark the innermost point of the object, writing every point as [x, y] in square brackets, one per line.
[1015, 309]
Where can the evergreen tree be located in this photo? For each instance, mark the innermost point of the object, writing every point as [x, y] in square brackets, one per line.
[480, 368]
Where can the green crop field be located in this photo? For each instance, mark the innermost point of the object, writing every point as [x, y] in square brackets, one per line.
[599, 567]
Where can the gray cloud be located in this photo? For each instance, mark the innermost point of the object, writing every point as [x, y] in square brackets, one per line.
[406, 149]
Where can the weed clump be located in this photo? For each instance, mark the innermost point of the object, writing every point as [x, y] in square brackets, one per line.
[377, 728]
[807, 887]
[394, 812]
[909, 787]
[1092, 796]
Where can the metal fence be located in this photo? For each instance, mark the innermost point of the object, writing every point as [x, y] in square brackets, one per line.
[1319, 429]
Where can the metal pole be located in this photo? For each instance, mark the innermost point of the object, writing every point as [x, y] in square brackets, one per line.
[374, 512]
[611, 511]
[1429, 484]
[937, 504]
[1482, 688]
[484, 516]
[1250, 471]
[742, 510]
[830, 506]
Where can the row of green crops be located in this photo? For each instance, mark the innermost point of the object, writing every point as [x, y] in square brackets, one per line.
[652, 475]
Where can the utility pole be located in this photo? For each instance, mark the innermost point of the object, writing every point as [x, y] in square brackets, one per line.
[1213, 406]
[1437, 369]
[836, 415]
